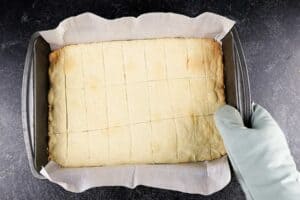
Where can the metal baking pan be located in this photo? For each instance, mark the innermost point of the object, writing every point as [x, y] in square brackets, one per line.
[36, 85]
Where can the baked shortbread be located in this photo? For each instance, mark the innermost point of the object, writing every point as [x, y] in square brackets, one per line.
[138, 101]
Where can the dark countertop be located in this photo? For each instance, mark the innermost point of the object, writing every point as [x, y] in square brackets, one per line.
[270, 34]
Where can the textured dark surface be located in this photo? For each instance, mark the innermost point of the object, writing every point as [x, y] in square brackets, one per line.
[270, 34]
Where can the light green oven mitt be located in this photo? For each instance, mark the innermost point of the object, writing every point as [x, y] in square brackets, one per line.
[260, 155]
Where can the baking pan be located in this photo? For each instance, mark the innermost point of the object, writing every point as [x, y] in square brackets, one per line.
[35, 88]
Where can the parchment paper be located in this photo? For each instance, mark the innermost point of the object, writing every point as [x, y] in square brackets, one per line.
[201, 177]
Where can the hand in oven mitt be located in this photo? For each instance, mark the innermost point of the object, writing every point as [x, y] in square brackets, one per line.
[260, 155]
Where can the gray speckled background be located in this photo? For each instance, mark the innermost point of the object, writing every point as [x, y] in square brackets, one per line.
[270, 34]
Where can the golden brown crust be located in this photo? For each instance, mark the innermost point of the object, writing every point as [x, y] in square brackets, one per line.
[53, 56]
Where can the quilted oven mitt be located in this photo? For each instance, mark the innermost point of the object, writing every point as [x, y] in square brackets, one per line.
[260, 155]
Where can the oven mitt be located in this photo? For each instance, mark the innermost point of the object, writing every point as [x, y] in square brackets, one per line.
[260, 155]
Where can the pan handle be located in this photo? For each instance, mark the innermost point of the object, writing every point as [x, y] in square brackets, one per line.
[242, 71]
[27, 108]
